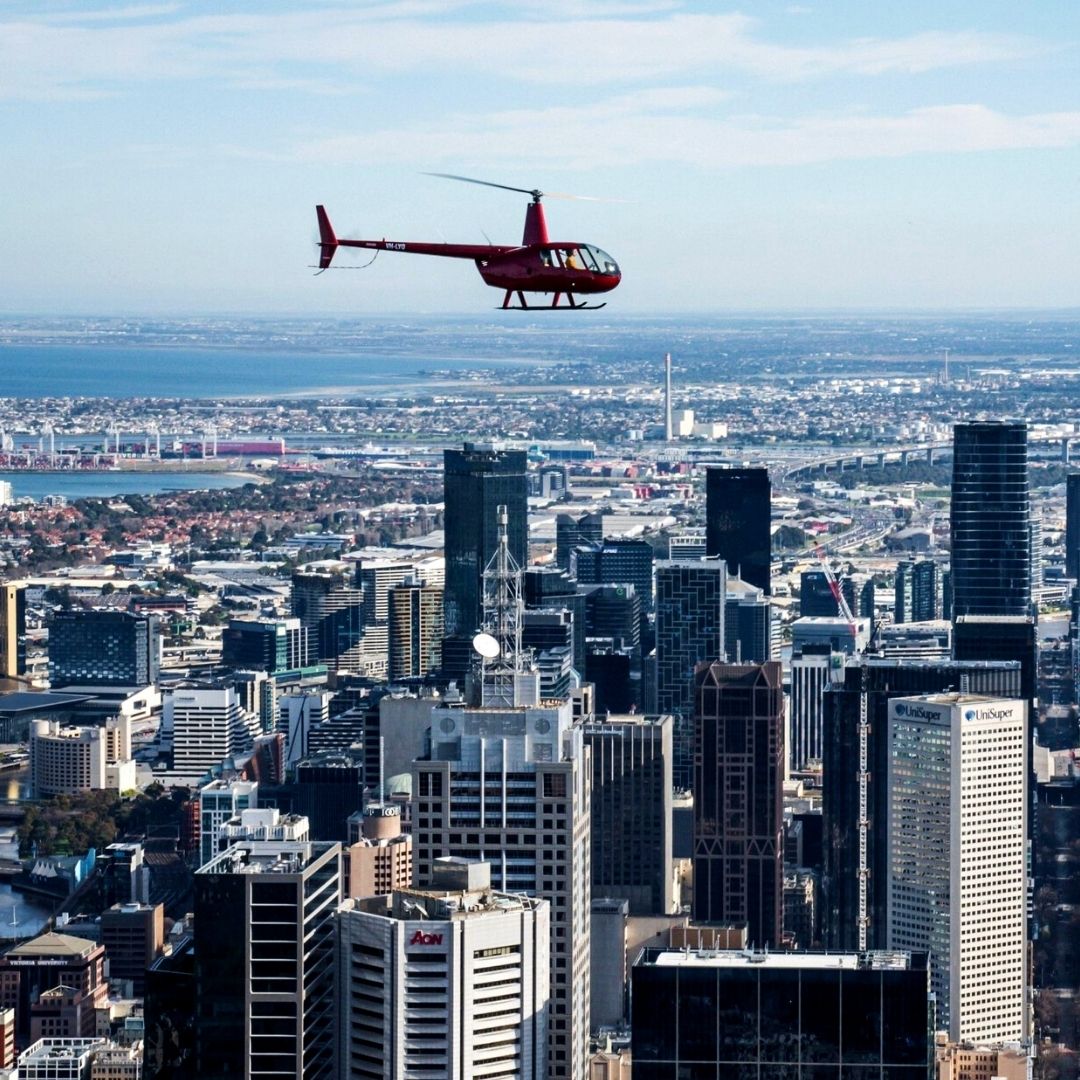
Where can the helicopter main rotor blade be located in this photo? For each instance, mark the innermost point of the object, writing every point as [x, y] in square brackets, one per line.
[485, 183]
[581, 198]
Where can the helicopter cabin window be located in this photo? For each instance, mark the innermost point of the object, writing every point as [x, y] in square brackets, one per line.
[573, 259]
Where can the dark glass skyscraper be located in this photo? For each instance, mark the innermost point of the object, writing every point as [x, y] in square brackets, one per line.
[1072, 525]
[991, 519]
[815, 596]
[738, 797]
[690, 608]
[477, 480]
[738, 522]
[918, 591]
[616, 562]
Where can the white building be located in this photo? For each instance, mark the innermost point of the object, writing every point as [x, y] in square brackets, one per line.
[451, 980]
[207, 726]
[60, 1059]
[221, 801]
[811, 672]
[957, 835]
[265, 823]
[69, 760]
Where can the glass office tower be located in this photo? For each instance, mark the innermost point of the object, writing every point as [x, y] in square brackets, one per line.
[738, 522]
[477, 479]
[990, 519]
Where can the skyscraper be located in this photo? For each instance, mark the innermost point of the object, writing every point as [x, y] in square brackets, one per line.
[690, 602]
[816, 597]
[748, 623]
[207, 725]
[631, 811]
[1072, 525]
[331, 609]
[12, 629]
[616, 562]
[738, 523]
[812, 668]
[885, 681]
[738, 797]
[103, 648]
[918, 591]
[416, 630]
[990, 520]
[508, 782]
[477, 479]
[264, 961]
[957, 834]
[571, 531]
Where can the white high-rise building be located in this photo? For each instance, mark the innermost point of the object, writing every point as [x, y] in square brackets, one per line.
[811, 672]
[207, 726]
[957, 835]
[448, 982]
[509, 782]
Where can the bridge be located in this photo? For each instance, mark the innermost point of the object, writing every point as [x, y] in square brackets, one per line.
[1059, 446]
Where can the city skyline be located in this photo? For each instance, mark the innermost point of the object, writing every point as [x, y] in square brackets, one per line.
[167, 157]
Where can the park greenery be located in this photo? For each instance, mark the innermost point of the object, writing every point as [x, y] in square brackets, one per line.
[72, 824]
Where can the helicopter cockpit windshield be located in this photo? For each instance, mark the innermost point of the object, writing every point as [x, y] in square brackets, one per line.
[584, 257]
[598, 261]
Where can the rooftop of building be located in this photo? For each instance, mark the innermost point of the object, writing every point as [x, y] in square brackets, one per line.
[61, 1049]
[222, 785]
[54, 945]
[953, 698]
[38, 701]
[266, 857]
[880, 960]
[997, 620]
[612, 721]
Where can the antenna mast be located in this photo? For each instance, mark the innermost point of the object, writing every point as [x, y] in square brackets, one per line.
[502, 620]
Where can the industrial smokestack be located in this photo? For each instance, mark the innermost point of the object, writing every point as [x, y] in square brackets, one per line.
[668, 433]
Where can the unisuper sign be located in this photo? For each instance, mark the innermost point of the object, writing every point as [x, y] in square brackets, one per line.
[420, 938]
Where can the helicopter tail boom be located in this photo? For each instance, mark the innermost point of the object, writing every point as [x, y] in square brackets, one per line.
[328, 241]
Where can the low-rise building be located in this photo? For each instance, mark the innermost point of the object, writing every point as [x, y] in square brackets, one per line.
[59, 1059]
[380, 861]
[133, 935]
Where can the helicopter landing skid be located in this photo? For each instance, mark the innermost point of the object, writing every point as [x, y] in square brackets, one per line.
[571, 303]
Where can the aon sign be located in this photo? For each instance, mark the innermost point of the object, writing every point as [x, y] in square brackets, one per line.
[420, 938]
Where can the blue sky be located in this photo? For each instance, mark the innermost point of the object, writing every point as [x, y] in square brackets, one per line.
[166, 157]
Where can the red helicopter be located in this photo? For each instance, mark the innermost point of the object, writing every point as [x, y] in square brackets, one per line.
[536, 265]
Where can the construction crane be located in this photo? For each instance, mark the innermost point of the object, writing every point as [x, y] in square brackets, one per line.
[863, 920]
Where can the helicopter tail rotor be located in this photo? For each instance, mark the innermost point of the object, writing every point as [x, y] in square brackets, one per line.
[328, 241]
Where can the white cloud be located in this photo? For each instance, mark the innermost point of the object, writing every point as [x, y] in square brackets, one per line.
[589, 43]
[620, 132]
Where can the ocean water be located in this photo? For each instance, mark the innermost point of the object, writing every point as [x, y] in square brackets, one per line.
[88, 485]
[37, 371]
